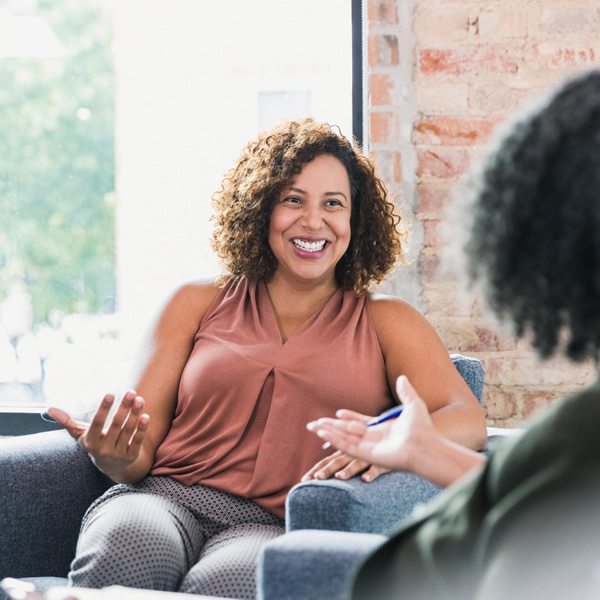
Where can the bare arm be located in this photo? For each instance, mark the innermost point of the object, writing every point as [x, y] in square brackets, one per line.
[124, 449]
[411, 347]
[409, 443]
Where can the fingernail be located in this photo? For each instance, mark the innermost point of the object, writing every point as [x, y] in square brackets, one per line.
[366, 477]
[310, 426]
[341, 475]
[326, 445]
[138, 403]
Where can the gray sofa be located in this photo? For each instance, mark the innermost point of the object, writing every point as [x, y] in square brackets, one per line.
[47, 482]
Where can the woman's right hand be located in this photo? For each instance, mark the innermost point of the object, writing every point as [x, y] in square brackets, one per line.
[113, 446]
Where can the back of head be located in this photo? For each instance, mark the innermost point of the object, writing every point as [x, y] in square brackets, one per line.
[534, 237]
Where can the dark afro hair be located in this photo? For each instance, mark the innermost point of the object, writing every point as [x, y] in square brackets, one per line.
[535, 236]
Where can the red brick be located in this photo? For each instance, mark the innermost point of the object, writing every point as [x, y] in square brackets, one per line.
[447, 299]
[432, 233]
[452, 132]
[388, 165]
[433, 197]
[499, 404]
[382, 12]
[536, 401]
[497, 97]
[545, 55]
[383, 50]
[434, 23]
[570, 19]
[502, 22]
[467, 59]
[442, 97]
[381, 88]
[384, 128]
[443, 162]
[433, 269]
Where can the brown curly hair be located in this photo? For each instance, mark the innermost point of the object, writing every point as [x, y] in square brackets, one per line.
[266, 168]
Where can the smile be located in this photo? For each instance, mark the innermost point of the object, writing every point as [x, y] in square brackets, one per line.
[309, 246]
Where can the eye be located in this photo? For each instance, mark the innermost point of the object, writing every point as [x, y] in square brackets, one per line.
[292, 199]
[333, 202]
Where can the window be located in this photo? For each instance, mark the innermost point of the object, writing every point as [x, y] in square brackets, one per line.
[115, 133]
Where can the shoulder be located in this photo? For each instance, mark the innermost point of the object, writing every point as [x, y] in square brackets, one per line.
[195, 296]
[398, 322]
[184, 309]
[384, 308]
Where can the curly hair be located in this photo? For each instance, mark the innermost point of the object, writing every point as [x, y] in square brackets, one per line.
[266, 168]
[534, 241]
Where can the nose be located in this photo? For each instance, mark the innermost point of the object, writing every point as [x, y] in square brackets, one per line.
[312, 217]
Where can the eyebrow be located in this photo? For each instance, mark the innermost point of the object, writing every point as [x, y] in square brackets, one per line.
[299, 191]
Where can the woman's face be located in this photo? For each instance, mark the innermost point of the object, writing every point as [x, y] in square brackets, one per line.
[310, 223]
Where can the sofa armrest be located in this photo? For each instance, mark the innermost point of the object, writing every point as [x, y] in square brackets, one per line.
[312, 565]
[47, 483]
[354, 505]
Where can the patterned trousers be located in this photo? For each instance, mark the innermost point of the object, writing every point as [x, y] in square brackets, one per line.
[161, 534]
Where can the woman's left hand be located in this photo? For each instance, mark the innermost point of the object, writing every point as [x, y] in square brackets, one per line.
[342, 466]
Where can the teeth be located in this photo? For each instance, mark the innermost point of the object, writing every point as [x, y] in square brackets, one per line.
[310, 246]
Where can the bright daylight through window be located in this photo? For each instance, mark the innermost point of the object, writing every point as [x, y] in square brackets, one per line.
[115, 132]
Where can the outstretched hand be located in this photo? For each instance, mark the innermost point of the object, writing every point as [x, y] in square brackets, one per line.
[394, 444]
[112, 444]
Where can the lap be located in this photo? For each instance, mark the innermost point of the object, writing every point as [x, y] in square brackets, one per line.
[161, 534]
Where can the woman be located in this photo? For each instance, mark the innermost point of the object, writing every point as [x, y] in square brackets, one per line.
[212, 439]
[526, 524]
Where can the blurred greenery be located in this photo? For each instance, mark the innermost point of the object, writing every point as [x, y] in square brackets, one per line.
[57, 213]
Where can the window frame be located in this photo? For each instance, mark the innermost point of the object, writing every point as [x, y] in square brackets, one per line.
[16, 421]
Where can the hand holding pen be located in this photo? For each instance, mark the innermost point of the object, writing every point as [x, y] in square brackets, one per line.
[385, 440]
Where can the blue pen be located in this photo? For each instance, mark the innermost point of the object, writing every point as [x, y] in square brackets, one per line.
[386, 415]
[391, 413]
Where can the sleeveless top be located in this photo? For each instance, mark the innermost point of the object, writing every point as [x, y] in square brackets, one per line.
[245, 397]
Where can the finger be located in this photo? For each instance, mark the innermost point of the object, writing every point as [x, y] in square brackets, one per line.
[113, 433]
[406, 392]
[345, 441]
[351, 415]
[354, 467]
[99, 420]
[75, 428]
[354, 427]
[130, 426]
[138, 437]
[373, 472]
[325, 468]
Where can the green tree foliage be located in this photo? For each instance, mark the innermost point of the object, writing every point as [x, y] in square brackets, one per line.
[57, 221]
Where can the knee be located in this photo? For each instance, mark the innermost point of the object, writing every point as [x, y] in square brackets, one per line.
[228, 563]
[129, 543]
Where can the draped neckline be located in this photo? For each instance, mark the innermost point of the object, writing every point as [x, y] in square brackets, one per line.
[267, 309]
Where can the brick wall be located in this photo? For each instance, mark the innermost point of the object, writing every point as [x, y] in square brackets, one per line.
[443, 74]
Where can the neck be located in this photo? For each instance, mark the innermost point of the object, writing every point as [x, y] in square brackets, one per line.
[297, 298]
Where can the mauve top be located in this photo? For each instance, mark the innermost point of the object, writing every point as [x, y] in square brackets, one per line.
[245, 397]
